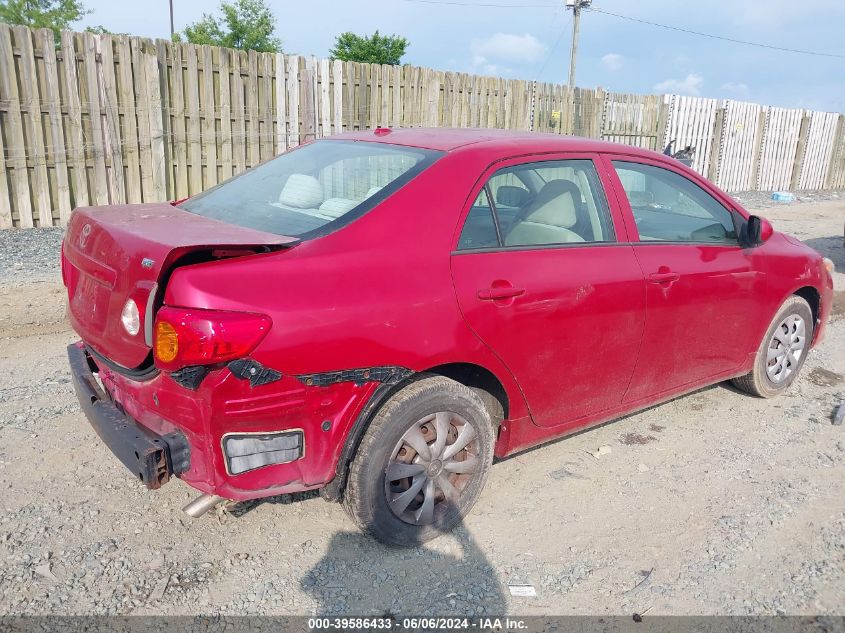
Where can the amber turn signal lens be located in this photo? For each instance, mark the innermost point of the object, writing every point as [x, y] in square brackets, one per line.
[166, 342]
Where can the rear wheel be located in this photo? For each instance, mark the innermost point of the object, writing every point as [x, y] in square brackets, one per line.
[422, 462]
[782, 352]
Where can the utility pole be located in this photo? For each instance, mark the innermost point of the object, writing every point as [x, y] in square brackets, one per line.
[576, 6]
[172, 30]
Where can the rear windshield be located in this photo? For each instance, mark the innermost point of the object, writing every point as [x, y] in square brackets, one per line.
[314, 189]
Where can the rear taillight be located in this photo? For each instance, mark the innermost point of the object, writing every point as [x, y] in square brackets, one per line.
[183, 337]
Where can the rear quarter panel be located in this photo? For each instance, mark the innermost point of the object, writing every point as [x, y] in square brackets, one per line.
[376, 292]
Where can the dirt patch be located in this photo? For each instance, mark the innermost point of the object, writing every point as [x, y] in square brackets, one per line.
[631, 439]
[739, 510]
[838, 309]
[825, 378]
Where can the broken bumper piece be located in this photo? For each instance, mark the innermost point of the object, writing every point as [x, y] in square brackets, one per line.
[150, 457]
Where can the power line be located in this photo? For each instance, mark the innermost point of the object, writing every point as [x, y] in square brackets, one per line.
[552, 50]
[454, 3]
[717, 37]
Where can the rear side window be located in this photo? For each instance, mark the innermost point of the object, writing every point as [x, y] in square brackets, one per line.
[670, 207]
[314, 189]
[543, 203]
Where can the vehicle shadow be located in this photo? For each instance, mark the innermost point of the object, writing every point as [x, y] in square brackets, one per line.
[831, 247]
[358, 576]
[240, 508]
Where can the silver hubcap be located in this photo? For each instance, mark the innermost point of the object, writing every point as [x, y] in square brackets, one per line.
[785, 348]
[431, 466]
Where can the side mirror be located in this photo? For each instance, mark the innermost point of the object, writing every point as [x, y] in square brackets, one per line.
[755, 231]
[766, 230]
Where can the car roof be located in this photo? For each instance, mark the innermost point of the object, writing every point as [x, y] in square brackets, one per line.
[506, 141]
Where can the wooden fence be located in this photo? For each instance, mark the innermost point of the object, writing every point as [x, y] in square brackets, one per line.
[113, 119]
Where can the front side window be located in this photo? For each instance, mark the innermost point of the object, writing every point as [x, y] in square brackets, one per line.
[543, 203]
[314, 188]
[669, 207]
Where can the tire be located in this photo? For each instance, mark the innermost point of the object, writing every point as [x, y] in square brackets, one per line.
[760, 381]
[388, 510]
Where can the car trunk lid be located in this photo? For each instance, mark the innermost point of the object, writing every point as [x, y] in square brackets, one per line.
[116, 253]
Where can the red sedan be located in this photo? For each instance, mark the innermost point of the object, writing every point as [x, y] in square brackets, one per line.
[378, 314]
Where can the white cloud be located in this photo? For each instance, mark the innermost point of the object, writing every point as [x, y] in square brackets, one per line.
[681, 61]
[736, 87]
[613, 61]
[689, 85]
[508, 47]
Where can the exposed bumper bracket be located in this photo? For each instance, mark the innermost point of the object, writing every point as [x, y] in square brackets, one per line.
[150, 457]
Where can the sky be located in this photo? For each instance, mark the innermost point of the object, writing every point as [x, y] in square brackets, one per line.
[531, 41]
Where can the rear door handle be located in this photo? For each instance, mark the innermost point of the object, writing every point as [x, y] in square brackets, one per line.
[496, 294]
[663, 278]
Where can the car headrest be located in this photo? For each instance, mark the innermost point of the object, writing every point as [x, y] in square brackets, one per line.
[556, 204]
[301, 192]
[336, 207]
[510, 196]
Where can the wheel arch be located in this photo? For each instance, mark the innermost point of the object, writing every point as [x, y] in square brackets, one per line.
[811, 295]
[484, 382]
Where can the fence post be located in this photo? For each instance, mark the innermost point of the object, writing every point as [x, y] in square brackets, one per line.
[800, 152]
[760, 134]
[834, 175]
[716, 148]
[14, 132]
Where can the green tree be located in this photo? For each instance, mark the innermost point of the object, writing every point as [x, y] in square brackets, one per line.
[375, 49]
[40, 14]
[244, 24]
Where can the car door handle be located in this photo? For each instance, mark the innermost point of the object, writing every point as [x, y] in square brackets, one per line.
[498, 293]
[663, 278]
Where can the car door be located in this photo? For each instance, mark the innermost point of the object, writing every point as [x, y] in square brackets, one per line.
[702, 287]
[543, 279]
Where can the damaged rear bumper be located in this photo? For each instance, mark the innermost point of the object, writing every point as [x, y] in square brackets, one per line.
[151, 457]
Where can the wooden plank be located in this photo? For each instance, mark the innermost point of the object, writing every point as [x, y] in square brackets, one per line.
[800, 152]
[308, 86]
[111, 130]
[5, 200]
[150, 57]
[716, 155]
[834, 172]
[266, 95]
[373, 109]
[293, 99]
[386, 74]
[223, 56]
[337, 95]
[324, 96]
[238, 113]
[209, 131]
[126, 98]
[163, 56]
[52, 95]
[34, 133]
[350, 108]
[253, 149]
[142, 100]
[179, 142]
[75, 136]
[282, 134]
[396, 95]
[96, 141]
[195, 175]
[363, 96]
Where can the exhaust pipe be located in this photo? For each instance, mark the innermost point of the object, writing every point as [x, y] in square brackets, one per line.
[201, 505]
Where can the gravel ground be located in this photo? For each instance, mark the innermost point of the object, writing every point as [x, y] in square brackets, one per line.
[715, 503]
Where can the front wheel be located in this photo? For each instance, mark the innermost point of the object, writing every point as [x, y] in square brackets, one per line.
[782, 352]
[422, 462]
